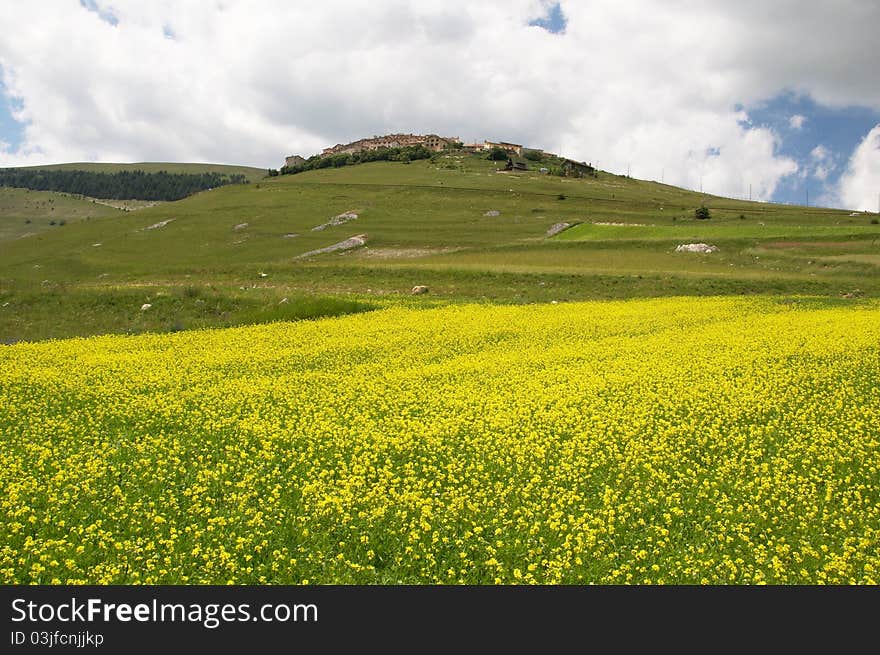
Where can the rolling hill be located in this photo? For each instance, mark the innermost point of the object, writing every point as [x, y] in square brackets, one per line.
[490, 431]
[453, 223]
[25, 213]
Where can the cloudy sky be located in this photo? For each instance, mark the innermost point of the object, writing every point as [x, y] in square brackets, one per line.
[778, 99]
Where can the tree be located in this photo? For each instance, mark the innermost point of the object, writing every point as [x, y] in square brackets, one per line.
[497, 154]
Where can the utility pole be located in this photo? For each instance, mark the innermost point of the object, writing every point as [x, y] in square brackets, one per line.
[662, 175]
[750, 191]
[808, 196]
[627, 169]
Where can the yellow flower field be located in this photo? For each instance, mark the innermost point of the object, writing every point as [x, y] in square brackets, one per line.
[660, 441]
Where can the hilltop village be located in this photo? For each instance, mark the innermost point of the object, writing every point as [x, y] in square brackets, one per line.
[412, 145]
[432, 142]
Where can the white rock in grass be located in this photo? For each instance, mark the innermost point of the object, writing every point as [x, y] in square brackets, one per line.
[156, 226]
[349, 244]
[339, 219]
[145, 306]
[696, 247]
[556, 228]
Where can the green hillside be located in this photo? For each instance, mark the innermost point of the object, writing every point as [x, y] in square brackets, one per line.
[233, 254]
[25, 213]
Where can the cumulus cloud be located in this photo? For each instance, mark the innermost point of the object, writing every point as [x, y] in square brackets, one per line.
[860, 184]
[797, 121]
[823, 162]
[820, 153]
[646, 84]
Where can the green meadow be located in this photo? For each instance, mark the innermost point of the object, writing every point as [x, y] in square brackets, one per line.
[470, 233]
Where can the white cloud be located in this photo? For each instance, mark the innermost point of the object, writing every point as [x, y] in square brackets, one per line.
[643, 83]
[823, 162]
[820, 153]
[860, 184]
[797, 121]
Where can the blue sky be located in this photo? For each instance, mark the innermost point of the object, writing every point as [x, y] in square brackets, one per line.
[104, 13]
[624, 84]
[836, 130]
[820, 139]
[553, 21]
[11, 131]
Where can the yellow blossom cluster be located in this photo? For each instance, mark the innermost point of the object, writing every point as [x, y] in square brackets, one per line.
[678, 440]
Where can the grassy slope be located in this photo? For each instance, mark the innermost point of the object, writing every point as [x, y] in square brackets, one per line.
[24, 213]
[426, 224]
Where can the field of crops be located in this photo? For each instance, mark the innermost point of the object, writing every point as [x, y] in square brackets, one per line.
[650, 441]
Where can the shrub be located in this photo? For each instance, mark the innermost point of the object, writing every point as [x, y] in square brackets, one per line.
[702, 213]
[874, 221]
[404, 155]
[497, 154]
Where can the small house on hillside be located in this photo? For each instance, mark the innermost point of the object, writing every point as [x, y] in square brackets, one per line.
[515, 166]
[572, 168]
[294, 160]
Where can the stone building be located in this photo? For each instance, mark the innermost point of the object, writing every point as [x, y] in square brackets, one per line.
[294, 160]
[572, 168]
[515, 148]
[430, 141]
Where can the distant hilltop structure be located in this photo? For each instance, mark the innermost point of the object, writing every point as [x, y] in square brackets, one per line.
[432, 142]
[513, 148]
[429, 141]
[436, 143]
